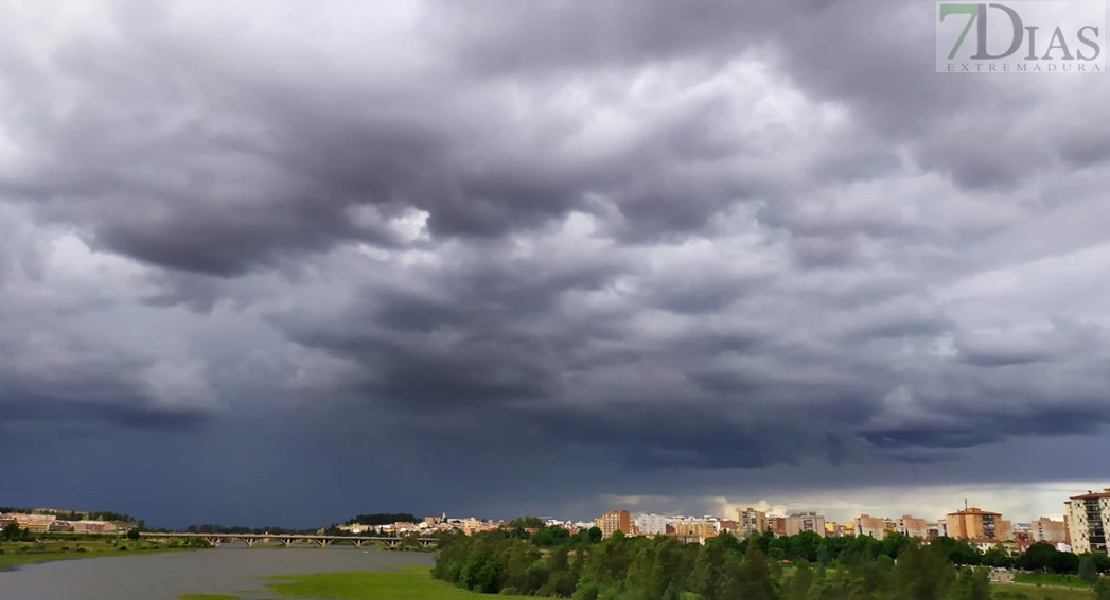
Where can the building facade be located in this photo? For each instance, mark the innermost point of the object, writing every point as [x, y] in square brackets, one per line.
[1088, 516]
[978, 524]
[868, 526]
[777, 526]
[696, 529]
[915, 528]
[1047, 530]
[805, 521]
[752, 521]
[651, 524]
[615, 520]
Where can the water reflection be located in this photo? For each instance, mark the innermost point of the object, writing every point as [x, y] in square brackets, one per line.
[226, 570]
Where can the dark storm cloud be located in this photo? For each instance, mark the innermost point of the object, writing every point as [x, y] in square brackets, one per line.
[603, 241]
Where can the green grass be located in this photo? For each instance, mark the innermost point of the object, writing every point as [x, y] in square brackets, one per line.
[208, 597]
[1023, 591]
[409, 583]
[1051, 579]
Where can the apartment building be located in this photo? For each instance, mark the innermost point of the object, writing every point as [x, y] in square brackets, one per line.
[915, 528]
[1047, 530]
[777, 526]
[613, 521]
[752, 521]
[977, 524]
[651, 524]
[1088, 517]
[805, 521]
[868, 526]
[695, 529]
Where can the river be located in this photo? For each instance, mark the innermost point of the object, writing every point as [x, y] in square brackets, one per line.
[225, 570]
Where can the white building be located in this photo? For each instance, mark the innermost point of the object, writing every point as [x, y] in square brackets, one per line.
[651, 524]
[1088, 517]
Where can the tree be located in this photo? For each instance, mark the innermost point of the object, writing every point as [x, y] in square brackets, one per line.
[550, 536]
[708, 569]
[1087, 570]
[972, 583]
[133, 533]
[756, 582]
[594, 535]
[11, 532]
[1102, 589]
[998, 556]
[527, 521]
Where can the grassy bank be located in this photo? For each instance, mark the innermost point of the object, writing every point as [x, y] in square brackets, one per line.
[411, 583]
[24, 553]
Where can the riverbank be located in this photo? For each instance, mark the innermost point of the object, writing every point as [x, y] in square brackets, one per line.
[14, 554]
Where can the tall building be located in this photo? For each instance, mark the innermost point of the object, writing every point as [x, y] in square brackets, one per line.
[615, 520]
[868, 526]
[978, 524]
[752, 521]
[805, 521]
[1088, 516]
[1047, 530]
[651, 524]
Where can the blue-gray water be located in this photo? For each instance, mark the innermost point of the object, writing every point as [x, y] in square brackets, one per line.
[225, 570]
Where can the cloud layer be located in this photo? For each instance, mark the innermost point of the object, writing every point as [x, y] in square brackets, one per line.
[641, 247]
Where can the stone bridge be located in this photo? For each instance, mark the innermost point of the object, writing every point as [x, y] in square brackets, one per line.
[322, 541]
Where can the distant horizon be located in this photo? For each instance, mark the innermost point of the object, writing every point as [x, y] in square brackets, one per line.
[276, 266]
[767, 507]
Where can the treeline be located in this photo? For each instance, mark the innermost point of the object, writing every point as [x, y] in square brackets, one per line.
[12, 533]
[242, 530]
[724, 568]
[383, 519]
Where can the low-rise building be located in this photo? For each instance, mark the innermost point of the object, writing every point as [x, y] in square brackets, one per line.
[34, 522]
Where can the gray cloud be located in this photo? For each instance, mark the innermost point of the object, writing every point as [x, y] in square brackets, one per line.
[611, 241]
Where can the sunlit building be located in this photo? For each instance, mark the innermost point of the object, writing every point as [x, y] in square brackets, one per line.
[615, 520]
[1088, 516]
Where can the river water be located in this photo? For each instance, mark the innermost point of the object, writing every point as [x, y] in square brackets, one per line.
[224, 570]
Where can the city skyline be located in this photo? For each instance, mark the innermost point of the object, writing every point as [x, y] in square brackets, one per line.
[287, 266]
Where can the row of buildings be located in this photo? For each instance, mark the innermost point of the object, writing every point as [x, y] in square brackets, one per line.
[1082, 529]
[41, 523]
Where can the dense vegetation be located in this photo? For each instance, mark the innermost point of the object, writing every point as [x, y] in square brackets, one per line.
[243, 529]
[383, 519]
[801, 567]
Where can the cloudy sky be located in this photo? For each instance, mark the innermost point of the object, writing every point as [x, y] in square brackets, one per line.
[499, 257]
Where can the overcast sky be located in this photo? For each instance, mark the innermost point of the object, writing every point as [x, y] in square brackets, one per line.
[497, 257]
